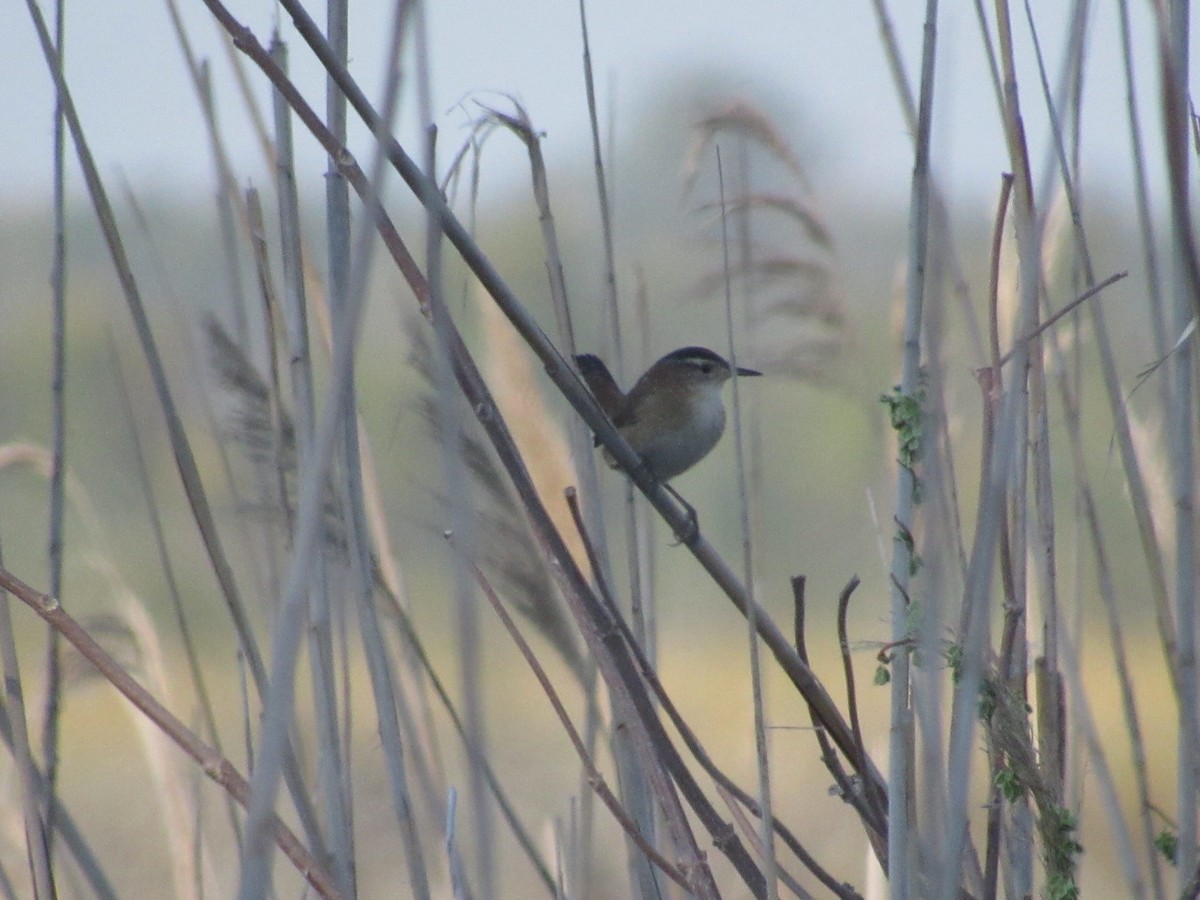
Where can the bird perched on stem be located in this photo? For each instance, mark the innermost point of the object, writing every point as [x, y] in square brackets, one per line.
[673, 416]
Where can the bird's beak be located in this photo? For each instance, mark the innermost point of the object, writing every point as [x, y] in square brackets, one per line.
[742, 371]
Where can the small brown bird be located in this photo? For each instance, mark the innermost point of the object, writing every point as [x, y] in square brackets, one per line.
[674, 415]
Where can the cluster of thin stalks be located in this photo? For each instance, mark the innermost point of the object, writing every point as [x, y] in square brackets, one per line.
[985, 644]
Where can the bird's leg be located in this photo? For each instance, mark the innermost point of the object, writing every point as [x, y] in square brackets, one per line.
[692, 529]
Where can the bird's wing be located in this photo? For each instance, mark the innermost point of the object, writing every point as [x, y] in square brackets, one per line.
[600, 382]
[626, 413]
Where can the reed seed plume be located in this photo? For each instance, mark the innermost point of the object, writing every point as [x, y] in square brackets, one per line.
[1150, 446]
[250, 420]
[507, 549]
[783, 259]
[1056, 235]
[742, 119]
[532, 422]
[789, 208]
[191, 861]
[250, 425]
[1057, 256]
[113, 633]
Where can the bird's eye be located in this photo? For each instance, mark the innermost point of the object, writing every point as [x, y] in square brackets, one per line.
[705, 368]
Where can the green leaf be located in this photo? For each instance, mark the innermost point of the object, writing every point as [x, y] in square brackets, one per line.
[1009, 784]
[1167, 843]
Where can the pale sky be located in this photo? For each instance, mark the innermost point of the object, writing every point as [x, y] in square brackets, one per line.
[129, 82]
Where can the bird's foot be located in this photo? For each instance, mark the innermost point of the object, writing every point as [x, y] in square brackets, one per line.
[690, 530]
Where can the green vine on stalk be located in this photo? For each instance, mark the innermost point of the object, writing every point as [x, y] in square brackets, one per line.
[904, 411]
[1062, 850]
[954, 661]
[1058, 827]
[910, 544]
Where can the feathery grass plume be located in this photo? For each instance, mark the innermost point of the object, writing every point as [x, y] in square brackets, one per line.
[251, 426]
[108, 628]
[168, 773]
[128, 635]
[1056, 236]
[1056, 258]
[1150, 446]
[506, 545]
[795, 317]
[545, 447]
[739, 117]
[532, 423]
[250, 419]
